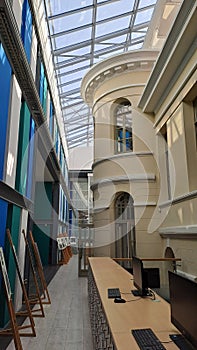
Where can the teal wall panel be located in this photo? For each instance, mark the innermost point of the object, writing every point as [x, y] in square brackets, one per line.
[42, 235]
[3, 218]
[30, 160]
[43, 211]
[43, 201]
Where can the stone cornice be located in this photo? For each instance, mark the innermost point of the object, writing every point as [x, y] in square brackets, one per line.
[115, 65]
[122, 155]
[179, 232]
[123, 179]
[135, 204]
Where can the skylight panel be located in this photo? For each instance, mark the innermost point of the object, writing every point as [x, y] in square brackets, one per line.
[144, 3]
[74, 54]
[67, 77]
[72, 21]
[117, 8]
[70, 87]
[59, 6]
[74, 69]
[143, 16]
[110, 54]
[73, 38]
[78, 41]
[110, 27]
[135, 46]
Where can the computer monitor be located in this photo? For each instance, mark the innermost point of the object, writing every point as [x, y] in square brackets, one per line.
[183, 303]
[153, 277]
[139, 278]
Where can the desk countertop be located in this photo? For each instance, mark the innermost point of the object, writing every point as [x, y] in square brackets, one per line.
[136, 312]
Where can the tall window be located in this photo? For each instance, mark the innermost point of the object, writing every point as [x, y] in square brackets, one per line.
[125, 245]
[165, 136]
[123, 128]
[195, 116]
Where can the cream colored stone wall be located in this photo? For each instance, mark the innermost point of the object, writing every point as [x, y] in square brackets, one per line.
[169, 96]
[135, 172]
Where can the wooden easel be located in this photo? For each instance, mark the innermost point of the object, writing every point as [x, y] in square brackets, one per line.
[64, 248]
[14, 327]
[36, 299]
[40, 270]
[26, 312]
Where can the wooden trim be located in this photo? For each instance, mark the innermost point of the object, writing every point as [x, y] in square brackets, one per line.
[148, 259]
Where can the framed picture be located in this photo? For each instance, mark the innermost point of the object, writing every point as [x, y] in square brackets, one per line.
[5, 274]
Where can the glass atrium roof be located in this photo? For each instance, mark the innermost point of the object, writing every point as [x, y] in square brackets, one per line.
[82, 33]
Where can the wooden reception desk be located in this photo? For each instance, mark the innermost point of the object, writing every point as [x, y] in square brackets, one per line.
[112, 322]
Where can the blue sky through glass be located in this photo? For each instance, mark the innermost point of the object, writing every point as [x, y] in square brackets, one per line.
[84, 32]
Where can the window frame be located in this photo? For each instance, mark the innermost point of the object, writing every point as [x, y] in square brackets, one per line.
[122, 118]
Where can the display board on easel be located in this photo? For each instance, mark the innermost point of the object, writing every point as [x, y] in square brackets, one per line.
[38, 263]
[28, 311]
[8, 294]
[5, 275]
[35, 299]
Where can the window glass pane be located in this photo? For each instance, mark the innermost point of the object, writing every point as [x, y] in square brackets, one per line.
[73, 38]
[112, 26]
[143, 16]
[144, 3]
[118, 8]
[71, 21]
[59, 6]
[123, 128]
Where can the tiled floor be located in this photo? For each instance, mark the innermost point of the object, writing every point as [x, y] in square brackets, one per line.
[66, 324]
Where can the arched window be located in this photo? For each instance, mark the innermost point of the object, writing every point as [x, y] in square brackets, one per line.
[124, 226]
[123, 127]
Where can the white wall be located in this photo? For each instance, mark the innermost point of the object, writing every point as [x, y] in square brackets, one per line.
[12, 134]
[80, 158]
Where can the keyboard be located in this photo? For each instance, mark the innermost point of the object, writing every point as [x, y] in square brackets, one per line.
[114, 293]
[147, 340]
[181, 342]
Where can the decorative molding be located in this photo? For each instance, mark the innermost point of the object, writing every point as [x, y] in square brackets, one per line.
[122, 155]
[117, 89]
[98, 209]
[135, 204]
[123, 179]
[179, 232]
[179, 199]
[129, 61]
[144, 204]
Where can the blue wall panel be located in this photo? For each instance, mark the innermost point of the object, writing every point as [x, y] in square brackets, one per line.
[51, 116]
[41, 91]
[45, 90]
[26, 28]
[5, 77]
[3, 219]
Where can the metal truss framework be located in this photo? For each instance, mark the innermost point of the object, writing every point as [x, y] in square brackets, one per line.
[82, 33]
